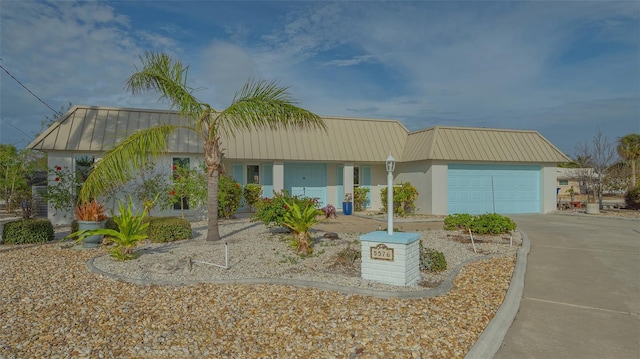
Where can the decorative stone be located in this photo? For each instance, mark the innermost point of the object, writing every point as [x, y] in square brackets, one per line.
[391, 259]
[331, 235]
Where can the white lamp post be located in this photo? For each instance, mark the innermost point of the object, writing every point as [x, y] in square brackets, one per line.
[391, 165]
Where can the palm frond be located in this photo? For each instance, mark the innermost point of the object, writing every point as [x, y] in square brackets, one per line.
[123, 162]
[167, 77]
[265, 104]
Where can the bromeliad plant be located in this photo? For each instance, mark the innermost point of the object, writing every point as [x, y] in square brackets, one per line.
[300, 220]
[90, 211]
[131, 229]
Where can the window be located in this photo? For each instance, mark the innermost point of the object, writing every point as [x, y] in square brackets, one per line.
[356, 176]
[563, 182]
[178, 163]
[253, 174]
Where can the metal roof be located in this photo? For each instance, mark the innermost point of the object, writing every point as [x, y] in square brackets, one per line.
[480, 144]
[98, 129]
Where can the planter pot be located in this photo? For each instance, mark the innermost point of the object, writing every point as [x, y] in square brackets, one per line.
[593, 208]
[94, 240]
[347, 208]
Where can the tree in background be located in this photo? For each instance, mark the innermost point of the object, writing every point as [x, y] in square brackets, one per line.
[598, 155]
[16, 167]
[258, 105]
[629, 149]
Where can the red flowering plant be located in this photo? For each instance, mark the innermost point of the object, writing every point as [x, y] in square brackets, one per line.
[61, 191]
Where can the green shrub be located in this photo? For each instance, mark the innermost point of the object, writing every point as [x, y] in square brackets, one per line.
[271, 211]
[360, 198]
[300, 220]
[168, 229]
[111, 224]
[488, 223]
[27, 231]
[457, 221]
[404, 198]
[252, 194]
[632, 198]
[432, 260]
[229, 196]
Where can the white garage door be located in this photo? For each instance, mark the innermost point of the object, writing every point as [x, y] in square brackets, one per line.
[478, 189]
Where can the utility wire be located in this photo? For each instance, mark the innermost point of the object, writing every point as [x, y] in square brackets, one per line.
[31, 92]
[14, 126]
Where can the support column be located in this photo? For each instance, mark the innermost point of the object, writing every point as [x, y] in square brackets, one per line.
[278, 176]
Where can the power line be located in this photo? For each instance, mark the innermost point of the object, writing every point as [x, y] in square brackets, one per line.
[14, 126]
[31, 92]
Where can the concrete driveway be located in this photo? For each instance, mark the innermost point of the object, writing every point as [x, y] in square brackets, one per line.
[582, 289]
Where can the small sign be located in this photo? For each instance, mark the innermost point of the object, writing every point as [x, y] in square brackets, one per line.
[382, 252]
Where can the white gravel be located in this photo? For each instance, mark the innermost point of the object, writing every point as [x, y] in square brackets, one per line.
[256, 252]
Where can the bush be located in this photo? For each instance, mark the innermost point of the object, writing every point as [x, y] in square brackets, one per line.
[252, 194]
[457, 221]
[488, 223]
[632, 198]
[360, 198]
[271, 211]
[168, 229]
[27, 231]
[229, 196]
[404, 198]
[111, 224]
[432, 260]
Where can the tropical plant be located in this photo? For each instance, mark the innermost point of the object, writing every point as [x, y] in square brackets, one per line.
[300, 220]
[271, 211]
[329, 211]
[360, 198]
[252, 194]
[229, 196]
[629, 149]
[132, 228]
[404, 198]
[258, 105]
[90, 211]
[153, 189]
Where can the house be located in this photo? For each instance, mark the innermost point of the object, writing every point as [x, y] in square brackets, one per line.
[455, 169]
[572, 178]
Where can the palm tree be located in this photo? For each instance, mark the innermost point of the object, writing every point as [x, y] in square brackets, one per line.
[258, 105]
[629, 149]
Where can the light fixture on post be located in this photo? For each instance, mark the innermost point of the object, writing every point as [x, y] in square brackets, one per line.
[391, 165]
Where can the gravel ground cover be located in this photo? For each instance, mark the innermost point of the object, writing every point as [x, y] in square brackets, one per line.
[53, 306]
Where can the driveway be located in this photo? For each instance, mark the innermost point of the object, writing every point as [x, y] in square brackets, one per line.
[581, 294]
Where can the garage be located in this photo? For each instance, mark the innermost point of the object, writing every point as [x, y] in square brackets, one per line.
[306, 179]
[503, 189]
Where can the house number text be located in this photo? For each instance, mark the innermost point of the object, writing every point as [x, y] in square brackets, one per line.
[382, 252]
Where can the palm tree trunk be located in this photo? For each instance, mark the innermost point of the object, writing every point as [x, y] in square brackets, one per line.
[633, 173]
[213, 234]
[213, 159]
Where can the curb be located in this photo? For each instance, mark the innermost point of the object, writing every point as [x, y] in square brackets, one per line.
[493, 335]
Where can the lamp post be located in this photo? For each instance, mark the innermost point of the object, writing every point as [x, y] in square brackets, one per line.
[391, 165]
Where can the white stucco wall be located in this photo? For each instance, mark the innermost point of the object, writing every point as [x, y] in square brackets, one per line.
[548, 185]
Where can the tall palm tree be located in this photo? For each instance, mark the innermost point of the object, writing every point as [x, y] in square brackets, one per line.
[258, 105]
[629, 150]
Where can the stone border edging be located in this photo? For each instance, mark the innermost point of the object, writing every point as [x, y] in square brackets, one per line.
[442, 289]
[493, 334]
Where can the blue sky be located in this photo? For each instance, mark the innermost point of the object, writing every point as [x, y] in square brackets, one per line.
[563, 68]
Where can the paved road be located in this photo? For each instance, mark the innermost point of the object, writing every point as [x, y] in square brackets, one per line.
[582, 289]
